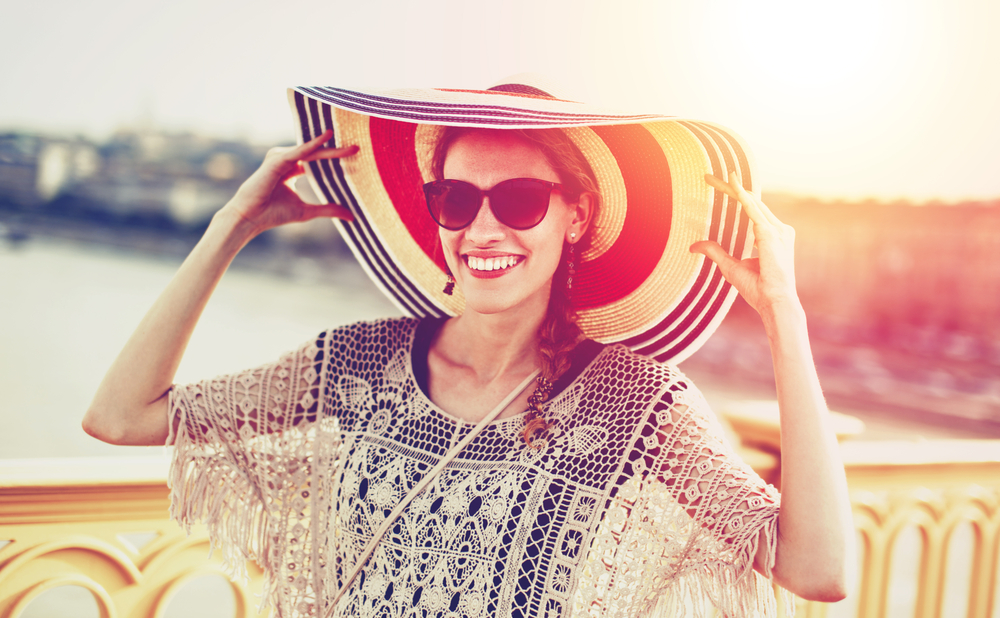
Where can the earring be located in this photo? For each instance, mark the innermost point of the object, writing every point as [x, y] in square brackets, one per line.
[449, 286]
[570, 265]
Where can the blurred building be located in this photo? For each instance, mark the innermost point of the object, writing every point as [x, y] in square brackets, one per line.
[140, 177]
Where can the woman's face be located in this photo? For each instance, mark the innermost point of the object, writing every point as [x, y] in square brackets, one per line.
[531, 256]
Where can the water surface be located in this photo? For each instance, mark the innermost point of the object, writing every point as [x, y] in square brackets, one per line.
[66, 309]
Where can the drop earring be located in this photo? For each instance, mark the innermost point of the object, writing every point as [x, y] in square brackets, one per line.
[449, 285]
[571, 262]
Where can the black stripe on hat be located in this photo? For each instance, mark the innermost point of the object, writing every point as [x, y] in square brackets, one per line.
[457, 113]
[329, 176]
[359, 235]
[709, 282]
[718, 289]
[657, 335]
[741, 163]
[349, 98]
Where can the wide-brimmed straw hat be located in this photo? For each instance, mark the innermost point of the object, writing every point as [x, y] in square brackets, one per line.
[637, 282]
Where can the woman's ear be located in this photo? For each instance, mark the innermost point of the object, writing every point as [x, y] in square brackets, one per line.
[583, 210]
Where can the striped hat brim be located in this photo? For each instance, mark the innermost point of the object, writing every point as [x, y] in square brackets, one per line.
[637, 283]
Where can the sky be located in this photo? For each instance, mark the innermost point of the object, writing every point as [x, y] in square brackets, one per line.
[883, 99]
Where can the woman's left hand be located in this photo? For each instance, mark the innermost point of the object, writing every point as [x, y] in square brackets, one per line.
[768, 280]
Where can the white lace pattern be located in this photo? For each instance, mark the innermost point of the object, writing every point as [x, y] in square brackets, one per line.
[635, 506]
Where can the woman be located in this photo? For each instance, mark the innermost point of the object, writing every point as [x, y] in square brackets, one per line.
[595, 482]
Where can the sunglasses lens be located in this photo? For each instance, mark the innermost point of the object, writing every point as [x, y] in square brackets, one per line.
[521, 203]
[453, 204]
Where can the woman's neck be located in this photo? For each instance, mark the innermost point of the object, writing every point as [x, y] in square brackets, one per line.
[491, 345]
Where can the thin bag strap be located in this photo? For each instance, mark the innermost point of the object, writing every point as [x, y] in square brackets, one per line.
[427, 478]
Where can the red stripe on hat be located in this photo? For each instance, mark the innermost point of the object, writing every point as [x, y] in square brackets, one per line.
[396, 161]
[621, 269]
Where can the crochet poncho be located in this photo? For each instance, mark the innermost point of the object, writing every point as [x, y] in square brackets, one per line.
[635, 505]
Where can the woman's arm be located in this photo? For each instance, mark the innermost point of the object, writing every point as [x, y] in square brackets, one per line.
[815, 526]
[130, 406]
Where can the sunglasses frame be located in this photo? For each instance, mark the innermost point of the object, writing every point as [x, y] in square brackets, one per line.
[431, 186]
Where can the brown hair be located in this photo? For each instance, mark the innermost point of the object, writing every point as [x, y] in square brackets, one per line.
[559, 333]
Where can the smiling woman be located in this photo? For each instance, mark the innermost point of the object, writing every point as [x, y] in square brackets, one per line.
[523, 445]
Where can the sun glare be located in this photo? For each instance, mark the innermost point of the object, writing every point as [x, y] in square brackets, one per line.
[812, 47]
[824, 55]
[841, 98]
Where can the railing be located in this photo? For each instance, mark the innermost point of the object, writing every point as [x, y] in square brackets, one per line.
[928, 522]
[927, 515]
[100, 526]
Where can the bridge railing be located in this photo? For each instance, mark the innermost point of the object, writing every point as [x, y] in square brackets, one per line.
[927, 517]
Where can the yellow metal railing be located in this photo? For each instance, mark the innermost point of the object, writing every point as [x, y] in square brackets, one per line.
[101, 525]
[934, 488]
[911, 501]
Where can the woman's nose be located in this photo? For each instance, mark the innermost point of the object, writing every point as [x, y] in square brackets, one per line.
[485, 226]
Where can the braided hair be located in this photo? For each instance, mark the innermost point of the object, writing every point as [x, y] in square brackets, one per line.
[559, 334]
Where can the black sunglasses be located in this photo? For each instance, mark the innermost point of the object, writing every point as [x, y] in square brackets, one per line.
[518, 203]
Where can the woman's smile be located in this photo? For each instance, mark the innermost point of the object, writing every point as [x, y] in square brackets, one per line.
[487, 266]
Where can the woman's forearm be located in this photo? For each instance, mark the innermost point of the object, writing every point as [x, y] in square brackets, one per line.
[130, 406]
[815, 528]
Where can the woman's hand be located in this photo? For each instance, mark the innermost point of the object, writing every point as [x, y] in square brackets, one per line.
[765, 281]
[266, 201]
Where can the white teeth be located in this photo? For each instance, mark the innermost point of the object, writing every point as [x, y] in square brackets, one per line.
[487, 264]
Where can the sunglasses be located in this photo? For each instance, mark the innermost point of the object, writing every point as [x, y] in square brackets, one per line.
[518, 203]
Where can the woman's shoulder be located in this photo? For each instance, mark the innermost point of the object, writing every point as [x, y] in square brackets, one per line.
[630, 384]
[629, 365]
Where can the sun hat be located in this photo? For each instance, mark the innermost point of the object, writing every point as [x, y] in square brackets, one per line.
[637, 282]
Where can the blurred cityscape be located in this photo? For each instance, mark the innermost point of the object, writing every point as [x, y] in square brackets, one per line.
[903, 299]
[141, 189]
[903, 303]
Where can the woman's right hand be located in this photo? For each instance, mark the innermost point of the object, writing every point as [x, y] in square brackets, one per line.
[265, 200]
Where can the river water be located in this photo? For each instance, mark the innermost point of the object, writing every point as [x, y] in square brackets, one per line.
[66, 309]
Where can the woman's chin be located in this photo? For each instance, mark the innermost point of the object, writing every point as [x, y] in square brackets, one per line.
[499, 301]
[489, 303]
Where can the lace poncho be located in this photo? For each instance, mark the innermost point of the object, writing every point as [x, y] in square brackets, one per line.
[635, 506]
